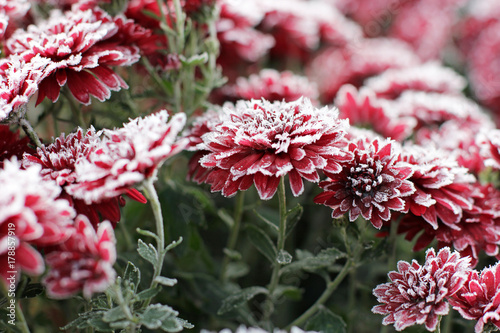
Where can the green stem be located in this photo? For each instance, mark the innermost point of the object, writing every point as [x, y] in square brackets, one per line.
[331, 287]
[30, 132]
[391, 262]
[280, 247]
[438, 327]
[21, 320]
[235, 229]
[152, 196]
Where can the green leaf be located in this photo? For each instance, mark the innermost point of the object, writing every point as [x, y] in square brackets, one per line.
[225, 217]
[195, 60]
[32, 290]
[185, 323]
[148, 293]
[133, 275]
[114, 314]
[174, 244]
[262, 242]
[171, 324]
[97, 323]
[307, 262]
[166, 281]
[293, 216]
[147, 233]
[284, 258]
[268, 222]
[236, 270]
[147, 251]
[232, 254]
[290, 292]
[325, 321]
[241, 297]
[120, 324]
[154, 315]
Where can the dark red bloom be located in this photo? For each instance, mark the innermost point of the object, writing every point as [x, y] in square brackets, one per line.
[82, 263]
[479, 298]
[371, 185]
[12, 145]
[417, 294]
[259, 142]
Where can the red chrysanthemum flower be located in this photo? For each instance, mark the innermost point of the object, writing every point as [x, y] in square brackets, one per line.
[271, 85]
[362, 108]
[84, 262]
[31, 215]
[417, 294]
[11, 145]
[443, 188]
[258, 142]
[490, 148]
[352, 64]
[428, 77]
[127, 156]
[479, 298]
[76, 44]
[20, 77]
[58, 162]
[371, 185]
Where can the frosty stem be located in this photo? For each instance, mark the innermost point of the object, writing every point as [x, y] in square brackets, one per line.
[30, 132]
[235, 229]
[280, 247]
[152, 196]
[21, 320]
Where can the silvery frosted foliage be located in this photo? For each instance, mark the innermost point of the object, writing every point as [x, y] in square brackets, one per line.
[127, 156]
[243, 329]
[258, 142]
[30, 208]
[418, 294]
[20, 76]
[430, 77]
[479, 298]
[372, 184]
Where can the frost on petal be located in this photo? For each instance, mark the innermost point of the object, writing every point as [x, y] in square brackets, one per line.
[418, 294]
[127, 156]
[259, 141]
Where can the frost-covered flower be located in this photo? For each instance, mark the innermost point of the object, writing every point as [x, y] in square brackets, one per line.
[429, 77]
[490, 148]
[363, 108]
[12, 13]
[12, 145]
[127, 156]
[370, 185]
[243, 329]
[355, 62]
[258, 142]
[417, 294]
[479, 298]
[58, 162]
[31, 215]
[271, 85]
[76, 42]
[443, 188]
[20, 77]
[84, 262]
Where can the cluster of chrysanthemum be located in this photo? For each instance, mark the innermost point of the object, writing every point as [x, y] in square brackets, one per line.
[422, 294]
[63, 200]
[243, 329]
[76, 47]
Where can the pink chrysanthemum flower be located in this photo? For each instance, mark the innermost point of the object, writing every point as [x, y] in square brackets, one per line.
[371, 185]
[417, 294]
[58, 162]
[443, 188]
[258, 142]
[428, 77]
[31, 215]
[363, 108]
[75, 42]
[479, 298]
[477, 230]
[127, 156]
[20, 77]
[12, 145]
[352, 64]
[84, 262]
[271, 85]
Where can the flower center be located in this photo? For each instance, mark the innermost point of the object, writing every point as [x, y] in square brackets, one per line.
[363, 180]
